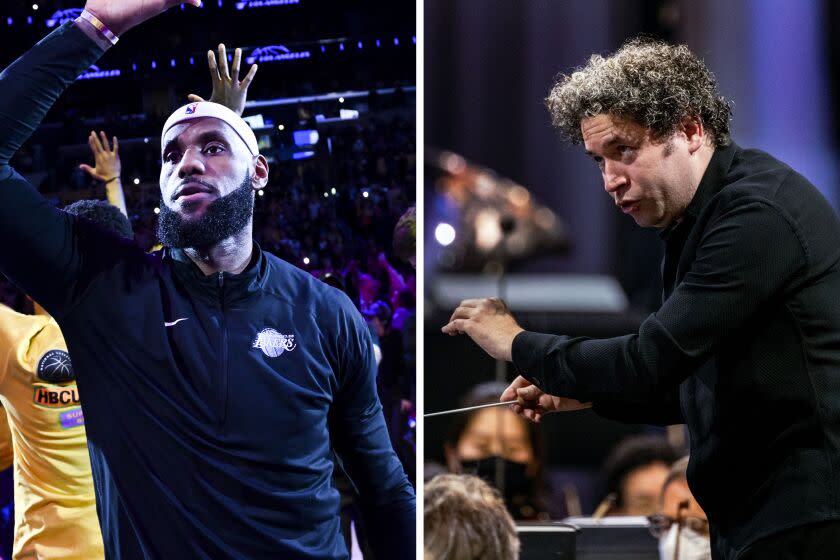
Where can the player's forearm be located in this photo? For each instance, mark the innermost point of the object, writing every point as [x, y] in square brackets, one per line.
[393, 532]
[115, 195]
[31, 84]
[387, 498]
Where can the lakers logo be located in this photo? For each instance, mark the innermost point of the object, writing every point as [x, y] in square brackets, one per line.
[273, 343]
[55, 367]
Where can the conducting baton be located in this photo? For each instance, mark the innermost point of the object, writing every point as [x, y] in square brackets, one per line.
[467, 409]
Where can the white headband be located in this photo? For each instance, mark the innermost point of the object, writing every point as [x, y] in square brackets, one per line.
[207, 109]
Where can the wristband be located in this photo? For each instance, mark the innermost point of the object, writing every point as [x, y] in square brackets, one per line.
[114, 178]
[101, 27]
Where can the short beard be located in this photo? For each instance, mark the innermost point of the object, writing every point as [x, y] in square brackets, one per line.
[223, 218]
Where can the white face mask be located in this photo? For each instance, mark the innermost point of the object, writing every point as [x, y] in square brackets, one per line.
[693, 545]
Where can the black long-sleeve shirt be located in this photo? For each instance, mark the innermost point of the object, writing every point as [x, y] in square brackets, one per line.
[745, 349]
[212, 403]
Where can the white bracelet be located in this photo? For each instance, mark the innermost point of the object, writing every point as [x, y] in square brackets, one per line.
[101, 27]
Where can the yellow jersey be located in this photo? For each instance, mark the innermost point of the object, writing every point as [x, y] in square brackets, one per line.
[55, 508]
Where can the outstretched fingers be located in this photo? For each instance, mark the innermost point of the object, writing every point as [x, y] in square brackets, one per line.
[213, 66]
[223, 62]
[234, 68]
[249, 77]
[105, 145]
[95, 144]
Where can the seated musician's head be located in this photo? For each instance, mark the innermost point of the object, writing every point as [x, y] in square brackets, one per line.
[634, 471]
[680, 524]
[465, 519]
[486, 440]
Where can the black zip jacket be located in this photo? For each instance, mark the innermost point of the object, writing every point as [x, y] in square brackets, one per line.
[745, 349]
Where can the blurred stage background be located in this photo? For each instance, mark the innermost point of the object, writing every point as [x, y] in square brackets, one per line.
[488, 66]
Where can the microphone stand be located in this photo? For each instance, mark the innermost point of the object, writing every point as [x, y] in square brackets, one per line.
[507, 225]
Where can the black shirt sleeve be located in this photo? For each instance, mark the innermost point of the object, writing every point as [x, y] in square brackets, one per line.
[749, 254]
[360, 438]
[44, 249]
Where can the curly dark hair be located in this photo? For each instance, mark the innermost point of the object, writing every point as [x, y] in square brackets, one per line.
[655, 84]
[105, 215]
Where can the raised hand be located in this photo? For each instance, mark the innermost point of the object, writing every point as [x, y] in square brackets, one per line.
[106, 160]
[121, 15]
[227, 89]
[488, 322]
[533, 404]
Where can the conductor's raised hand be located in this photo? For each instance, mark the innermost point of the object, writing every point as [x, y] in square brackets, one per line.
[533, 404]
[488, 322]
[121, 15]
[228, 90]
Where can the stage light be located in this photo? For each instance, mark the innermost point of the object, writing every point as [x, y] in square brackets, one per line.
[154, 65]
[444, 234]
[145, 140]
[359, 44]
[35, 7]
[134, 66]
[281, 127]
[365, 194]
[305, 138]
[136, 181]
[332, 190]
[377, 43]
[323, 48]
[326, 195]
[29, 20]
[341, 46]
[341, 100]
[192, 61]
[157, 210]
[261, 192]
[9, 21]
[305, 260]
[396, 41]
[172, 63]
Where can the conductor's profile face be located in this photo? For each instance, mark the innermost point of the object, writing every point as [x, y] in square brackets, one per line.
[644, 174]
[202, 161]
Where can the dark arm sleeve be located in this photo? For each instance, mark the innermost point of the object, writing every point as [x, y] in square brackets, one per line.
[361, 441]
[749, 254]
[660, 410]
[42, 252]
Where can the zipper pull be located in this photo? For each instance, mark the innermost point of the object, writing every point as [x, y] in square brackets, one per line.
[221, 279]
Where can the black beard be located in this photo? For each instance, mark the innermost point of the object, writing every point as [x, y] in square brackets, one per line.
[223, 218]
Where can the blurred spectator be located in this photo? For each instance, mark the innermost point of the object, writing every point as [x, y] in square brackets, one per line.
[499, 447]
[681, 524]
[393, 382]
[634, 474]
[405, 237]
[465, 519]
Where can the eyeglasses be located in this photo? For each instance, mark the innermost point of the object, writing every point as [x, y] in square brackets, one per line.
[660, 524]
